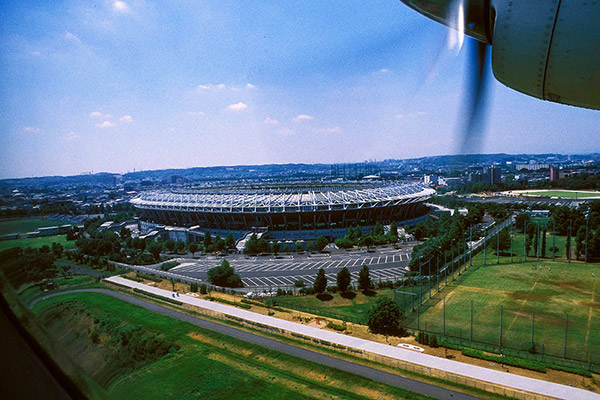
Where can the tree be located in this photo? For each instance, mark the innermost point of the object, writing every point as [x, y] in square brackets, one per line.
[299, 246]
[568, 246]
[219, 244]
[543, 252]
[378, 229]
[207, 239]
[180, 245]
[230, 241]
[310, 246]
[276, 247]
[155, 249]
[321, 243]
[393, 233]
[224, 275]
[504, 241]
[57, 249]
[384, 316]
[368, 241]
[65, 269]
[320, 281]
[170, 245]
[172, 283]
[520, 221]
[251, 245]
[193, 247]
[343, 279]
[364, 278]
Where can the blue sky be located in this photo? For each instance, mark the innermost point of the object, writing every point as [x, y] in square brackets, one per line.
[117, 85]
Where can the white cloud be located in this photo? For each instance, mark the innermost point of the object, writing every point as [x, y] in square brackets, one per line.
[222, 86]
[286, 131]
[237, 106]
[384, 70]
[31, 129]
[210, 86]
[270, 121]
[120, 6]
[126, 119]
[196, 113]
[72, 135]
[96, 114]
[335, 129]
[106, 124]
[411, 115]
[72, 37]
[302, 117]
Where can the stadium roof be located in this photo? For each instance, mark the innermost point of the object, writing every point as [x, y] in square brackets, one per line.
[272, 199]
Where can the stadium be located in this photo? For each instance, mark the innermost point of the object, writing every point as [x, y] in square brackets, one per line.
[289, 212]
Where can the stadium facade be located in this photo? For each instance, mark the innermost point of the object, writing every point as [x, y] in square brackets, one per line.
[285, 212]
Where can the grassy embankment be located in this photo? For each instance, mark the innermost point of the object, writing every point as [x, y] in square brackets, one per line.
[207, 365]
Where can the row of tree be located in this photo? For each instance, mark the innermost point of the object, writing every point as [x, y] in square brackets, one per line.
[354, 236]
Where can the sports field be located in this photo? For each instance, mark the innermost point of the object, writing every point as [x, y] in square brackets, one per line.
[566, 194]
[550, 290]
[25, 225]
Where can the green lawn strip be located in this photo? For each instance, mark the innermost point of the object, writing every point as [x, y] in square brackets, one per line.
[37, 242]
[30, 291]
[523, 289]
[149, 277]
[26, 225]
[168, 265]
[165, 377]
[564, 194]
[353, 310]
[346, 356]
[231, 303]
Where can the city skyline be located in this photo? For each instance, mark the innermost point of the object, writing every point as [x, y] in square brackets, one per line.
[117, 86]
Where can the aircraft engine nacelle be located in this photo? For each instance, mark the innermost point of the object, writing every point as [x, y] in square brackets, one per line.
[549, 49]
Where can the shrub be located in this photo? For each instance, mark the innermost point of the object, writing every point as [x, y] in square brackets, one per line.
[203, 289]
[337, 327]
[168, 265]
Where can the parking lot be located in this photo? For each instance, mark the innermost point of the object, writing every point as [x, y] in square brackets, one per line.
[283, 271]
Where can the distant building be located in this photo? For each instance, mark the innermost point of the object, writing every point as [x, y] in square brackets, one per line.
[431, 180]
[532, 166]
[489, 175]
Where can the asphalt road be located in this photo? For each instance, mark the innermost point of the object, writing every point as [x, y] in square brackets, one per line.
[322, 359]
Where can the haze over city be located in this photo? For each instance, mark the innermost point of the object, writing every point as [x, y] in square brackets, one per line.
[116, 86]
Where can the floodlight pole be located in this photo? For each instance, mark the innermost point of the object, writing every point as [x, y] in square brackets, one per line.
[566, 329]
[537, 245]
[570, 226]
[484, 240]
[500, 327]
[587, 223]
[471, 339]
[437, 272]
[471, 246]
[498, 247]
[444, 318]
[553, 238]
[511, 241]
[525, 241]
[532, 326]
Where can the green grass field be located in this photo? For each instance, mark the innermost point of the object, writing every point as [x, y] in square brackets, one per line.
[566, 194]
[208, 366]
[551, 290]
[355, 308]
[37, 242]
[25, 225]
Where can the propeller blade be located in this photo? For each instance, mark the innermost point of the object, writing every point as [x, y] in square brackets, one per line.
[473, 130]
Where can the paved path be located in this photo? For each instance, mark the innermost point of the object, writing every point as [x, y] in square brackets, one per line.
[484, 374]
[322, 359]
